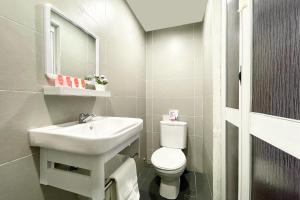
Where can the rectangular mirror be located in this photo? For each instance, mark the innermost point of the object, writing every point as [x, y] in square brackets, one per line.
[70, 49]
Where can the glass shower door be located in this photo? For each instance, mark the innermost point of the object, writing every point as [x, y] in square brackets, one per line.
[275, 112]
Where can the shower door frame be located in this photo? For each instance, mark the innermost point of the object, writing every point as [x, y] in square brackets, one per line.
[238, 117]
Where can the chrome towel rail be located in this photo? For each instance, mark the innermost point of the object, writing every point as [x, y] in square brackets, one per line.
[111, 181]
[108, 184]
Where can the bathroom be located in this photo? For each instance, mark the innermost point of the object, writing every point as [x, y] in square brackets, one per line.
[137, 99]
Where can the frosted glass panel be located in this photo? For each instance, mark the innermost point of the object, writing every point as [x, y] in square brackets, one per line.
[232, 161]
[275, 174]
[232, 58]
[276, 60]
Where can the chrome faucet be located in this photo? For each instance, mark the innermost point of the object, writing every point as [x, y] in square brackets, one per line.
[85, 117]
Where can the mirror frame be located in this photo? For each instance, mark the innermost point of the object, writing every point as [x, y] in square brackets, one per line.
[48, 8]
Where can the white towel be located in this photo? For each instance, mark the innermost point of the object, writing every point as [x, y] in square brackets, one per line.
[126, 181]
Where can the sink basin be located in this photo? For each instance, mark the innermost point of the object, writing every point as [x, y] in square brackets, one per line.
[93, 138]
[85, 146]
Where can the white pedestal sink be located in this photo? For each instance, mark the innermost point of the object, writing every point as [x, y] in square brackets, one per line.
[72, 155]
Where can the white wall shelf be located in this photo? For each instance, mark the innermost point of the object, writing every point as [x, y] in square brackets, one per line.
[64, 91]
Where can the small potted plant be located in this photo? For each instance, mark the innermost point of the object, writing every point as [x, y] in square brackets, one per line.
[90, 82]
[101, 82]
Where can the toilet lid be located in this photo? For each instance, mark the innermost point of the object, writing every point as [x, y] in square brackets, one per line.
[168, 158]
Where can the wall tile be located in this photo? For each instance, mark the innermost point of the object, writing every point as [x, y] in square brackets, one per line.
[190, 123]
[195, 153]
[199, 126]
[199, 106]
[172, 68]
[20, 55]
[149, 154]
[156, 123]
[26, 12]
[143, 143]
[95, 9]
[162, 106]
[173, 88]
[122, 83]
[141, 107]
[65, 109]
[208, 109]
[20, 111]
[198, 159]
[156, 142]
[169, 45]
[141, 88]
[149, 45]
[190, 151]
[199, 86]
[198, 37]
[149, 89]
[149, 106]
[100, 106]
[149, 139]
[122, 106]
[149, 123]
[185, 106]
[20, 180]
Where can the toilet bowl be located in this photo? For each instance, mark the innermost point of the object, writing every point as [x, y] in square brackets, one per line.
[169, 161]
[169, 164]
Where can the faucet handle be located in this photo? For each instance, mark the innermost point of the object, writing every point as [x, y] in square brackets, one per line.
[82, 116]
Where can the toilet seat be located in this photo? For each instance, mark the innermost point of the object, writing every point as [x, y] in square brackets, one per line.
[168, 158]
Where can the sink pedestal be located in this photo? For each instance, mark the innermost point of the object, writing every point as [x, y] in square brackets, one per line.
[81, 174]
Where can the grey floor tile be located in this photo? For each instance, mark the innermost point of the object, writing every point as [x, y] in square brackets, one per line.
[188, 184]
[149, 185]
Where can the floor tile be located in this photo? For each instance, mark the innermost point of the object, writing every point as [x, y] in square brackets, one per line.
[193, 186]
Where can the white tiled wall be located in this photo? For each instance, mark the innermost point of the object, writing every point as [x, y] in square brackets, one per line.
[212, 95]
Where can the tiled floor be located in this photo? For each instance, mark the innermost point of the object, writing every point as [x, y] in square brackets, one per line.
[194, 186]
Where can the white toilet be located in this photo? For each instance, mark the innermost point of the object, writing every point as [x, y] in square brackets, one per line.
[169, 160]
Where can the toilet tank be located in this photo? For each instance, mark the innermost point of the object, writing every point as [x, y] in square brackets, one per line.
[173, 134]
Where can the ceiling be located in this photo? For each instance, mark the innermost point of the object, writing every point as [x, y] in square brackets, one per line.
[159, 14]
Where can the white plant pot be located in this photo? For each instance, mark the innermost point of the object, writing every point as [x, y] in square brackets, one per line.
[90, 85]
[100, 87]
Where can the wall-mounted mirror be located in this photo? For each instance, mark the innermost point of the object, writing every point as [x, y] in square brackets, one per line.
[70, 49]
